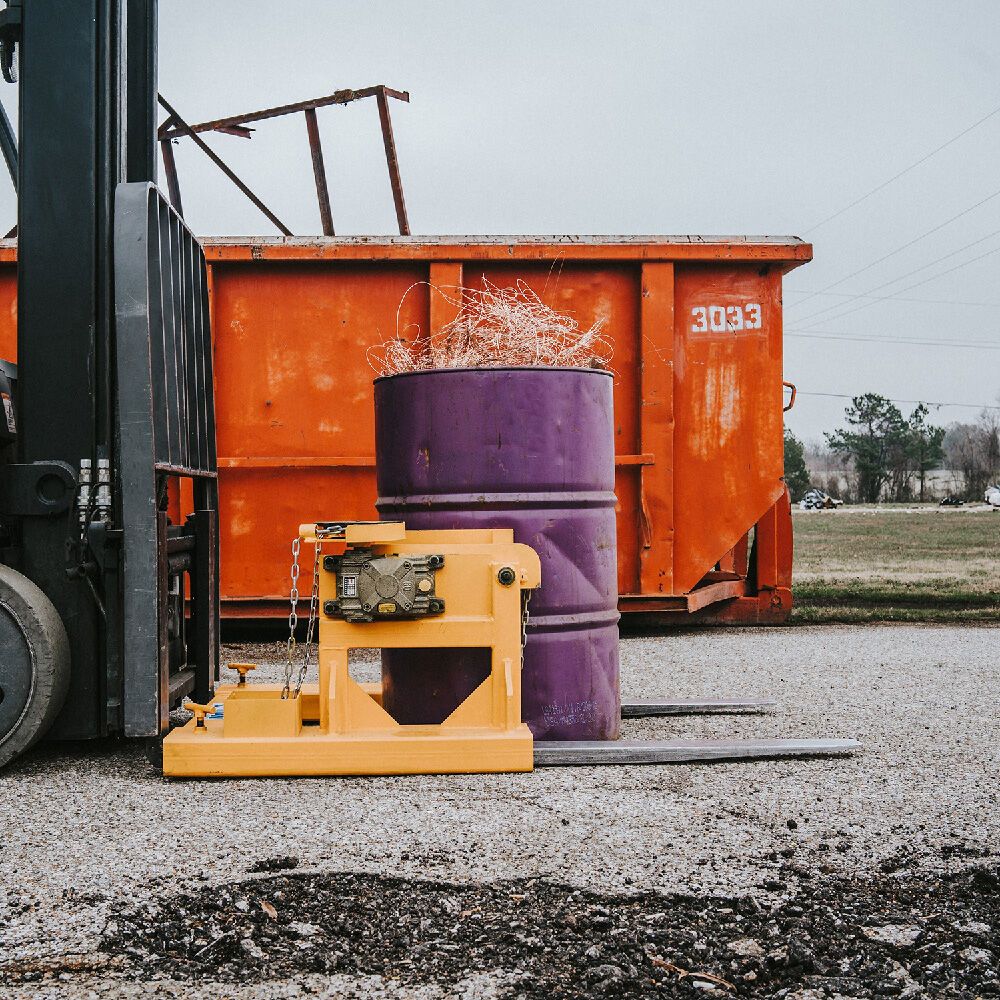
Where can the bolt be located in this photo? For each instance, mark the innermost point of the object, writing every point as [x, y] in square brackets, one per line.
[506, 576]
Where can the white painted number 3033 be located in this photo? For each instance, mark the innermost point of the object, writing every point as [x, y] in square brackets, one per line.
[718, 319]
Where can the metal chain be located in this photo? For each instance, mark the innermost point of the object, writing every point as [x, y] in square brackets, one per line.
[313, 613]
[293, 618]
[525, 598]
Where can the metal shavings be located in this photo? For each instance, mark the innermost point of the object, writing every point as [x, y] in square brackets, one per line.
[494, 328]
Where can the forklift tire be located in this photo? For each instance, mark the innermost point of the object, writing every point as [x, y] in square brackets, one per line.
[34, 664]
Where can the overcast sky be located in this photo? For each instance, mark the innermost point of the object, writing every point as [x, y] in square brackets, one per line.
[647, 118]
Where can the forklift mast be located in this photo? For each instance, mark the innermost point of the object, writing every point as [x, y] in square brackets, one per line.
[114, 381]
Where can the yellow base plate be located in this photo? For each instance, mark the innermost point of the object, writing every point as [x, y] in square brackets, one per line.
[191, 753]
[299, 747]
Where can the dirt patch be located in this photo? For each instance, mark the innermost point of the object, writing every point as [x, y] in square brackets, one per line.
[282, 863]
[800, 934]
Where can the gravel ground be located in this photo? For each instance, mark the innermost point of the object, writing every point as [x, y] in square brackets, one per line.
[111, 877]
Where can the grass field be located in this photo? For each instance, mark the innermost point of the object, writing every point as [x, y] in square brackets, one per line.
[896, 564]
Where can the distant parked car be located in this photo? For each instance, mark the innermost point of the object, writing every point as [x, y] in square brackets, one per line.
[818, 500]
[950, 501]
[993, 496]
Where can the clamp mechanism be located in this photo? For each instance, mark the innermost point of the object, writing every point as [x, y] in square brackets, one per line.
[371, 586]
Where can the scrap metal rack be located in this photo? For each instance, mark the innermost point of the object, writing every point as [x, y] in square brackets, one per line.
[174, 127]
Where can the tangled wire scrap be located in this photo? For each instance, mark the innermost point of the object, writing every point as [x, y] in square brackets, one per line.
[494, 328]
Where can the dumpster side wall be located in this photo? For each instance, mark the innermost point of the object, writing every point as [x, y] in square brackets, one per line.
[696, 328]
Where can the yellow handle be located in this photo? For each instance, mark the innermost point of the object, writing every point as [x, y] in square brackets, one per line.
[242, 669]
[200, 711]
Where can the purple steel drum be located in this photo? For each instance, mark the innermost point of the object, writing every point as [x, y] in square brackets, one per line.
[530, 449]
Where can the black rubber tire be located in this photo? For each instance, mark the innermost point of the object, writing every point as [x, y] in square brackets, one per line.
[28, 617]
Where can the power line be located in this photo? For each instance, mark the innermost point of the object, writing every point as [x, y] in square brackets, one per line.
[898, 278]
[891, 298]
[926, 402]
[985, 345]
[909, 243]
[906, 170]
[916, 284]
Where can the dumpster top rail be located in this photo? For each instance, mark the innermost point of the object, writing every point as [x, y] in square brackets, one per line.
[788, 250]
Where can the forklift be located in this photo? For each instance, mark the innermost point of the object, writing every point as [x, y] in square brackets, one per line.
[109, 613]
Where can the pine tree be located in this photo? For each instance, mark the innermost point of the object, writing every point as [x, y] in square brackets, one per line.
[796, 473]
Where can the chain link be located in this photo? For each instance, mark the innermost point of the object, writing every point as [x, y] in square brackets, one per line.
[313, 613]
[293, 618]
[525, 598]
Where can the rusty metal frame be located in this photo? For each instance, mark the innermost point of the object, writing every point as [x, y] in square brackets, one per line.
[319, 172]
[174, 127]
[391, 161]
[170, 167]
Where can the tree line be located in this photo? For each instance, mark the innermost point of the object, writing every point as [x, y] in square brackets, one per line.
[888, 456]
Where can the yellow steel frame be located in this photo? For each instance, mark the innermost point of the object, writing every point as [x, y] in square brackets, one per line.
[339, 726]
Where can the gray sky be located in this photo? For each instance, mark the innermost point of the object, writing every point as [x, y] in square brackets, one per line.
[662, 118]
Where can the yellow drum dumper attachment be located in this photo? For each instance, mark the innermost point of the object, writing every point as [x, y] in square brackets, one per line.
[384, 587]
